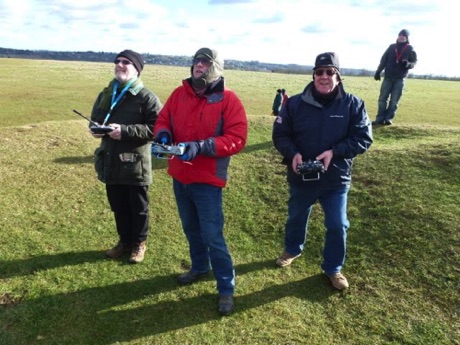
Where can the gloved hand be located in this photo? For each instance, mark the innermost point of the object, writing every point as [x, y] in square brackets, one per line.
[163, 138]
[192, 148]
[377, 76]
[406, 63]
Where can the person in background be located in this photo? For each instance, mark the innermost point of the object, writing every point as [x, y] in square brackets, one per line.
[210, 121]
[397, 60]
[277, 102]
[326, 127]
[285, 97]
[123, 158]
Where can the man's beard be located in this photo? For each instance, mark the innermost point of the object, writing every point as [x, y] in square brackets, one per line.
[122, 76]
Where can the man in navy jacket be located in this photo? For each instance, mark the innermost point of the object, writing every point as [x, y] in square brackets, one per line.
[318, 133]
[397, 60]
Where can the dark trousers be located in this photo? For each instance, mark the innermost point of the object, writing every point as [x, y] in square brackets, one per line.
[130, 206]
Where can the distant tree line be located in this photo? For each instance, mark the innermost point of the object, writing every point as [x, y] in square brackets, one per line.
[169, 60]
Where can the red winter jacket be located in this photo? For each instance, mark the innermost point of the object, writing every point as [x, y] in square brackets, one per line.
[218, 117]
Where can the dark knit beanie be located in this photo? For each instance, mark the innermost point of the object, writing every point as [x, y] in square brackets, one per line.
[328, 59]
[134, 57]
[404, 32]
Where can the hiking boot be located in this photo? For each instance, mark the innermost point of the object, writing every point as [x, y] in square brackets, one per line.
[118, 250]
[137, 255]
[286, 259]
[190, 277]
[338, 280]
[226, 304]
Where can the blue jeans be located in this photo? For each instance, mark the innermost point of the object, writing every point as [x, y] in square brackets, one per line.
[392, 88]
[334, 204]
[201, 214]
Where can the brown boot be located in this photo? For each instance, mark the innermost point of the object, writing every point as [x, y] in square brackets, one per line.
[118, 250]
[138, 253]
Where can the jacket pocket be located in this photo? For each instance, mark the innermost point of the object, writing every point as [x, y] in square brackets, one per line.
[131, 170]
[99, 163]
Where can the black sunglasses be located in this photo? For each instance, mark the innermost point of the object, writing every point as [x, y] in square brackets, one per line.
[329, 72]
[203, 61]
[124, 62]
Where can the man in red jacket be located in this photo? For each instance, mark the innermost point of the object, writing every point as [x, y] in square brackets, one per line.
[210, 121]
[285, 97]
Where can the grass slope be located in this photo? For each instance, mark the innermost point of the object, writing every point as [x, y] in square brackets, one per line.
[57, 288]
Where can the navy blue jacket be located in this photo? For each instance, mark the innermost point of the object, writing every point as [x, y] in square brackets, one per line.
[307, 127]
[397, 60]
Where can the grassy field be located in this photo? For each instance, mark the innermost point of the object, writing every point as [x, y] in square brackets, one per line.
[56, 287]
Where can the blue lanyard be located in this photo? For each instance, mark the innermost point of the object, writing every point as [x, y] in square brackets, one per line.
[116, 100]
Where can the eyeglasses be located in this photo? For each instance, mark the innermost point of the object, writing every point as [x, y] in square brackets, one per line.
[124, 62]
[329, 72]
[203, 61]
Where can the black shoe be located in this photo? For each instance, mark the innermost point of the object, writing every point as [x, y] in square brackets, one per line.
[387, 122]
[226, 304]
[377, 123]
[190, 277]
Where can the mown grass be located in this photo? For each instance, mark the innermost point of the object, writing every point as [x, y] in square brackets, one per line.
[57, 288]
[36, 91]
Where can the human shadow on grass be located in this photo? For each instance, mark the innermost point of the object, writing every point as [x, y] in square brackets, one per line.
[257, 147]
[157, 318]
[30, 265]
[74, 160]
[131, 310]
[157, 163]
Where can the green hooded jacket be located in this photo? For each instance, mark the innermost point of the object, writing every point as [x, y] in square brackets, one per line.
[127, 161]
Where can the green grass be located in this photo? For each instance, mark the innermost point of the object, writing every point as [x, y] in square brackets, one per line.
[57, 288]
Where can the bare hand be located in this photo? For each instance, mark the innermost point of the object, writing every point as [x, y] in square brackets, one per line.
[326, 157]
[296, 161]
[116, 133]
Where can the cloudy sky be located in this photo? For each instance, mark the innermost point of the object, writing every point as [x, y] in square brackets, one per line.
[275, 31]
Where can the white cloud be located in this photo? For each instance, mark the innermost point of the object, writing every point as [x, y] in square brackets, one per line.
[291, 31]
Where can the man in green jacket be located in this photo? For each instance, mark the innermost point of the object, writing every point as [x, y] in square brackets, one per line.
[277, 103]
[123, 159]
